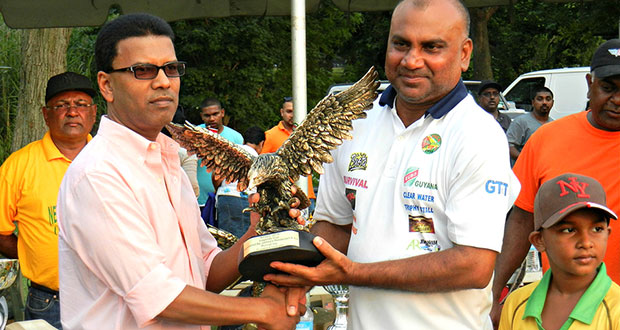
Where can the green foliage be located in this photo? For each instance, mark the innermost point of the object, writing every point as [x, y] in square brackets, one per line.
[81, 59]
[10, 48]
[366, 47]
[245, 62]
[545, 35]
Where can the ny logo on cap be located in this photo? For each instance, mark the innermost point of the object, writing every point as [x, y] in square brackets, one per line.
[614, 52]
[577, 187]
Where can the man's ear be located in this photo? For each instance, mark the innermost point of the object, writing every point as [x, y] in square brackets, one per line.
[537, 240]
[260, 146]
[105, 86]
[589, 82]
[44, 111]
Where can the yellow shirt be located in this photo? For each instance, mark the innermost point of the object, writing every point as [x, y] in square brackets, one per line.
[29, 183]
[598, 308]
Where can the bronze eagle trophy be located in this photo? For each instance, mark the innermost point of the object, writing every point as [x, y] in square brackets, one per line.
[273, 174]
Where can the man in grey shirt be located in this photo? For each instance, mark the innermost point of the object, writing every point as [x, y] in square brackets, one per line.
[525, 125]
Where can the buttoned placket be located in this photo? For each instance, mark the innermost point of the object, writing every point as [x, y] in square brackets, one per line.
[401, 143]
[154, 160]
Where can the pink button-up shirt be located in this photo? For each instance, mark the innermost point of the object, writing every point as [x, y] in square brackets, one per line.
[131, 237]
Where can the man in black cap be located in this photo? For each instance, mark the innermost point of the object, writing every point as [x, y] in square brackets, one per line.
[488, 99]
[29, 187]
[586, 143]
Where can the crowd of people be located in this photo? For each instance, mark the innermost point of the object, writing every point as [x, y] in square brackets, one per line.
[425, 213]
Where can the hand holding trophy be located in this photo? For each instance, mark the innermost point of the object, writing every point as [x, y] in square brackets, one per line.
[281, 237]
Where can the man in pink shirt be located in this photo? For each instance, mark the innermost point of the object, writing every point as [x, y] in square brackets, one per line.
[133, 250]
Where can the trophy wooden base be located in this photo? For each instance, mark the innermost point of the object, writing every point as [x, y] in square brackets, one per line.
[290, 246]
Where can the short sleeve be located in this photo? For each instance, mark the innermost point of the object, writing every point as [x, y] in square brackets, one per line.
[269, 145]
[515, 133]
[481, 190]
[9, 195]
[333, 205]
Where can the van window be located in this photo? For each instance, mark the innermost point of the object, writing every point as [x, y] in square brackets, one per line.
[521, 93]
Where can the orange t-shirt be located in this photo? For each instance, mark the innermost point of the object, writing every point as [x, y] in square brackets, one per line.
[572, 145]
[273, 140]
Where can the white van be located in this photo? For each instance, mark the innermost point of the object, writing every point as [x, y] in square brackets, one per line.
[568, 85]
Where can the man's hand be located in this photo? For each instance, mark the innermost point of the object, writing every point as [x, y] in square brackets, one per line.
[8, 246]
[334, 269]
[277, 317]
[496, 312]
[295, 296]
[295, 300]
[293, 212]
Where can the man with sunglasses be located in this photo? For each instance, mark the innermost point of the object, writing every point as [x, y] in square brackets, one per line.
[133, 250]
[29, 186]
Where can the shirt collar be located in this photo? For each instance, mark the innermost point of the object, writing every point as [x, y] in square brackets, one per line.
[586, 307]
[439, 109]
[51, 151]
[133, 143]
[281, 127]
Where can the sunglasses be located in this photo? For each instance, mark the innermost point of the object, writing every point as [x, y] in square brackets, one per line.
[66, 106]
[150, 71]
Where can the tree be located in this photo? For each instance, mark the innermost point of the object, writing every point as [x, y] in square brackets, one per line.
[480, 36]
[548, 35]
[43, 55]
[245, 62]
[9, 78]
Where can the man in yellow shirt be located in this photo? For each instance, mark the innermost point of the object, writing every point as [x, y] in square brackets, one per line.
[29, 183]
[275, 136]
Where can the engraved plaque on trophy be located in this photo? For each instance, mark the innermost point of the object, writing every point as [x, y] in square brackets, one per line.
[290, 246]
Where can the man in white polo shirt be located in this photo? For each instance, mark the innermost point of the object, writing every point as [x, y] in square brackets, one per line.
[417, 200]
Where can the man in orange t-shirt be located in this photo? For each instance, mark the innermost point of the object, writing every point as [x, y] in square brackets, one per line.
[586, 143]
[279, 133]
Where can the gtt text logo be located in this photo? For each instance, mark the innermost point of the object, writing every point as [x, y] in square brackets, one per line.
[498, 187]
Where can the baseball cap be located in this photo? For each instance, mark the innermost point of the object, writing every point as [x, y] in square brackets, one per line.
[488, 83]
[606, 59]
[68, 81]
[565, 194]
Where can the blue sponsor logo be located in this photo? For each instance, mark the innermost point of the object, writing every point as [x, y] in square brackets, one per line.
[496, 187]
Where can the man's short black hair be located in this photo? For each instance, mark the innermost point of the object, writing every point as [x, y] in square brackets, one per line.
[287, 99]
[254, 135]
[541, 89]
[209, 101]
[126, 26]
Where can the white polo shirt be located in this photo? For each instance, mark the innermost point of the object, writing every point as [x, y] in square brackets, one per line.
[444, 180]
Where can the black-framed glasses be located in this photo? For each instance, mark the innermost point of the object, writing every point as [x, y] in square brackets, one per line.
[66, 106]
[150, 71]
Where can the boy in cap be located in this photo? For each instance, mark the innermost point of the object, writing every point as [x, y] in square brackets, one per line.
[578, 143]
[29, 187]
[571, 222]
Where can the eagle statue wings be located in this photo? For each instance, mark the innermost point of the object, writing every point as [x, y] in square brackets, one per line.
[273, 174]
